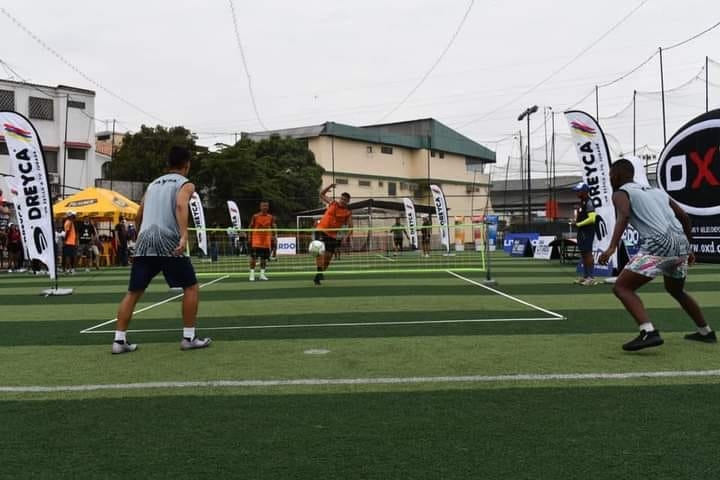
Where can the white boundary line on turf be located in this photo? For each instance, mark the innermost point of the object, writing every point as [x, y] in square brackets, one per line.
[385, 257]
[521, 377]
[349, 324]
[92, 329]
[515, 299]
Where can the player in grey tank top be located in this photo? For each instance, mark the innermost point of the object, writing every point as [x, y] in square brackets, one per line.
[162, 239]
[665, 233]
[159, 233]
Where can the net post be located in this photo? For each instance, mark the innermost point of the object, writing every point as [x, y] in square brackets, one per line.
[488, 274]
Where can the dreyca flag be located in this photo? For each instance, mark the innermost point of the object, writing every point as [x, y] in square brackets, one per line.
[198, 215]
[442, 214]
[594, 157]
[234, 212]
[29, 188]
[411, 222]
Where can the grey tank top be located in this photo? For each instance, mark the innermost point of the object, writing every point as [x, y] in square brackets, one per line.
[650, 214]
[159, 233]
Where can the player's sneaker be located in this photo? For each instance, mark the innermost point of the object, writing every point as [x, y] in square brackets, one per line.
[699, 337]
[579, 281]
[263, 277]
[187, 344]
[589, 282]
[123, 347]
[644, 340]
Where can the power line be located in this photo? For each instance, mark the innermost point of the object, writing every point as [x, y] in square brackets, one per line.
[245, 66]
[47, 47]
[693, 37]
[434, 65]
[576, 57]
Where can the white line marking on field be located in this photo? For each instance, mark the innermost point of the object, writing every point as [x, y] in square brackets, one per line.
[521, 377]
[515, 299]
[385, 257]
[91, 329]
[349, 324]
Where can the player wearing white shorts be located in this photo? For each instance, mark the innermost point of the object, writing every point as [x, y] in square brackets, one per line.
[665, 234]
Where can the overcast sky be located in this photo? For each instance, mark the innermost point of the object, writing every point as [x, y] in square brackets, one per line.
[354, 62]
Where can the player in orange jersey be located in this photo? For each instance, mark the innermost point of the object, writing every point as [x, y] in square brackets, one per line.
[261, 233]
[336, 216]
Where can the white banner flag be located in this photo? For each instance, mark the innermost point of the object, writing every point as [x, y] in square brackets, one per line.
[234, 211]
[442, 214]
[198, 216]
[29, 188]
[411, 222]
[594, 157]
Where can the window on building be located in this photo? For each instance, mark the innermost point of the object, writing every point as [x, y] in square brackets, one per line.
[76, 104]
[341, 181]
[387, 150]
[106, 170]
[3, 149]
[432, 153]
[7, 100]
[368, 149]
[41, 108]
[76, 153]
[364, 183]
[392, 189]
[403, 186]
[441, 154]
[381, 183]
[51, 161]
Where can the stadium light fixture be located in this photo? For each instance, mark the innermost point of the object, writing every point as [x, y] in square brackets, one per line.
[526, 114]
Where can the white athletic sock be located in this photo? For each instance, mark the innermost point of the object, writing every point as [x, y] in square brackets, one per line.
[704, 330]
[120, 336]
[262, 271]
[647, 326]
[189, 333]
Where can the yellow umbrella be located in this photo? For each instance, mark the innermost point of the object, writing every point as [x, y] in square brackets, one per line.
[98, 203]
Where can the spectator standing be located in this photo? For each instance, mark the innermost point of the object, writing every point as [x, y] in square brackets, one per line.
[121, 242]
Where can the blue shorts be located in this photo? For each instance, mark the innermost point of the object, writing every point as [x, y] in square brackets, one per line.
[178, 272]
[585, 241]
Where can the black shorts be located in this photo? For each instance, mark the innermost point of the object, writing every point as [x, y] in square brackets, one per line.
[178, 272]
[263, 253]
[69, 251]
[398, 242]
[331, 244]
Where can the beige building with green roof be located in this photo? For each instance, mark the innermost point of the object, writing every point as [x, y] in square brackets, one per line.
[396, 160]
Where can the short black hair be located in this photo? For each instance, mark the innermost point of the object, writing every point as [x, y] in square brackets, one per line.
[345, 194]
[178, 157]
[624, 167]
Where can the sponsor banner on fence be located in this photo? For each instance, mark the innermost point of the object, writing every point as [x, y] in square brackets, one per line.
[509, 239]
[543, 250]
[286, 245]
[234, 212]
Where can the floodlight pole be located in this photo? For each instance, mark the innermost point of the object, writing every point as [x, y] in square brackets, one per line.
[526, 114]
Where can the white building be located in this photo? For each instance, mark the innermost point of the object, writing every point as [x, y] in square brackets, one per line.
[64, 119]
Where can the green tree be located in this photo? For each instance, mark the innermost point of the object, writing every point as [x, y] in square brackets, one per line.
[143, 155]
[280, 170]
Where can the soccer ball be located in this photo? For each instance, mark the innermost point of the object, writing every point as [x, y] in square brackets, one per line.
[316, 248]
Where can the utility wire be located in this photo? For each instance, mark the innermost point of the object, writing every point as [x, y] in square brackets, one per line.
[47, 47]
[572, 60]
[245, 66]
[693, 37]
[434, 65]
